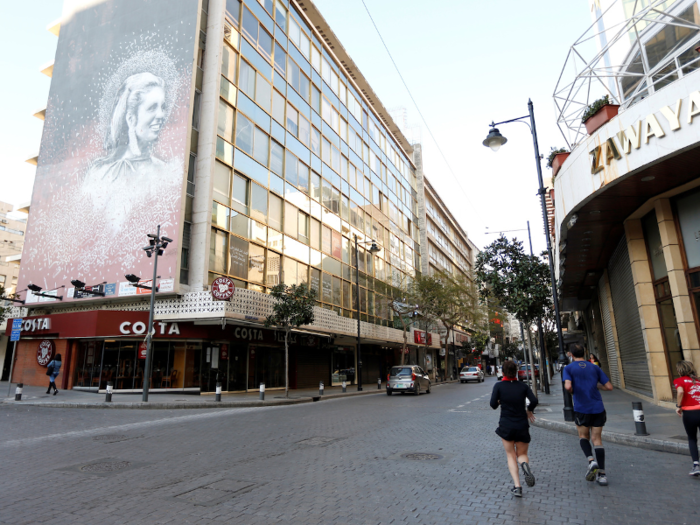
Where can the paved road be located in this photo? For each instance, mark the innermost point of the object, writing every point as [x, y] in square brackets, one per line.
[331, 462]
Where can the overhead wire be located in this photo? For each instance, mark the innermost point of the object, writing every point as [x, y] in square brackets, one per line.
[418, 109]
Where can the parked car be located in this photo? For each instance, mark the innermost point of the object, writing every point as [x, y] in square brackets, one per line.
[526, 371]
[407, 378]
[471, 373]
[499, 372]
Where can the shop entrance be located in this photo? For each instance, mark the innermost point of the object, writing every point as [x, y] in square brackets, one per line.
[343, 365]
[222, 363]
[265, 365]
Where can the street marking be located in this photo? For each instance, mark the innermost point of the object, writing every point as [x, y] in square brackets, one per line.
[140, 424]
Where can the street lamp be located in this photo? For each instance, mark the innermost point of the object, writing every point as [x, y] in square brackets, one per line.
[155, 247]
[372, 249]
[80, 286]
[36, 290]
[495, 140]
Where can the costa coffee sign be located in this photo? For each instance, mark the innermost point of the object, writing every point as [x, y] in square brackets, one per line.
[36, 324]
[222, 289]
[421, 338]
[44, 353]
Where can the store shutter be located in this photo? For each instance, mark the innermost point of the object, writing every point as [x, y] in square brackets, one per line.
[629, 328]
[313, 366]
[609, 336]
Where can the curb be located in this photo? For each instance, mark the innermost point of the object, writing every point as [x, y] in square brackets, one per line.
[209, 404]
[647, 443]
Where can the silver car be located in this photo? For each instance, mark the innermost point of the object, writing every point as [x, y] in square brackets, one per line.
[471, 373]
[407, 378]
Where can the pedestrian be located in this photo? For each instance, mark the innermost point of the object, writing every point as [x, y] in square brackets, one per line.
[688, 407]
[594, 359]
[52, 370]
[454, 372]
[584, 380]
[513, 426]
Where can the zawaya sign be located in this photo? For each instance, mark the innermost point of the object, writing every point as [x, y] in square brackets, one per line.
[638, 133]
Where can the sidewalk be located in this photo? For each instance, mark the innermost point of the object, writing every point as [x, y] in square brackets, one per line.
[37, 396]
[665, 428]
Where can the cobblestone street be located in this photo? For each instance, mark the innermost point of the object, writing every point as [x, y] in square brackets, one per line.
[331, 462]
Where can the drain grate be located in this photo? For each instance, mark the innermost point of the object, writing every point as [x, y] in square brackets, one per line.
[109, 437]
[105, 466]
[317, 441]
[421, 456]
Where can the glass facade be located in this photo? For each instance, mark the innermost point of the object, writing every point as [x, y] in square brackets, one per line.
[302, 166]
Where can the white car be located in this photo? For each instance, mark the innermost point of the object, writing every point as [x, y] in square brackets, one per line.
[471, 373]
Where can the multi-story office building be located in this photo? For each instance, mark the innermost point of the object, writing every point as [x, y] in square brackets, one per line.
[246, 132]
[11, 242]
[627, 202]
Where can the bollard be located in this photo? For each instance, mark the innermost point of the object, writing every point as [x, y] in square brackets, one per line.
[262, 391]
[320, 388]
[18, 392]
[345, 386]
[379, 383]
[640, 426]
[108, 395]
[218, 391]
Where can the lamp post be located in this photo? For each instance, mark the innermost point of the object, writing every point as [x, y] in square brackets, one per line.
[155, 247]
[373, 249]
[495, 140]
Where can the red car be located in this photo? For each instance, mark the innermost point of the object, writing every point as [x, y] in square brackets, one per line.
[524, 371]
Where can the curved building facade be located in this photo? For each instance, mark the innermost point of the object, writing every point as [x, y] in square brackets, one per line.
[627, 199]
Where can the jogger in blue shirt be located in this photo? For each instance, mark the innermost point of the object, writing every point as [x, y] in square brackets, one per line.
[584, 380]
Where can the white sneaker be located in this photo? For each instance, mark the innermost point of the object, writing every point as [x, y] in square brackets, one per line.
[695, 472]
[592, 470]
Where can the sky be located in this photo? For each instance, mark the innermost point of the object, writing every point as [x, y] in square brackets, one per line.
[466, 62]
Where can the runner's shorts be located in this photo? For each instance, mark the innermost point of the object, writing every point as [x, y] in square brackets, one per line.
[590, 420]
[521, 435]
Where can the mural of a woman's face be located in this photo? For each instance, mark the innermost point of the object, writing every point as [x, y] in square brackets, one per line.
[149, 117]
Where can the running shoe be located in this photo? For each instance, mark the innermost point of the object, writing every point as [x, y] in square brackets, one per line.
[529, 477]
[602, 479]
[592, 469]
[517, 492]
[695, 472]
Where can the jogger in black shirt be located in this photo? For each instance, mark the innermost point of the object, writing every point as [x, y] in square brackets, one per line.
[513, 427]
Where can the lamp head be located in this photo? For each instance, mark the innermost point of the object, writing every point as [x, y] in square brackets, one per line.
[34, 287]
[494, 139]
[132, 278]
[374, 248]
[77, 283]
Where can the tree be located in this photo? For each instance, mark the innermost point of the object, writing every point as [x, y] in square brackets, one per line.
[448, 299]
[519, 281]
[4, 310]
[294, 306]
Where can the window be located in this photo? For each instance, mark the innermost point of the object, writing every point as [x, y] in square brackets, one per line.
[222, 182]
[316, 58]
[304, 130]
[316, 99]
[281, 16]
[229, 63]
[316, 141]
[261, 146]
[217, 251]
[304, 228]
[291, 220]
[315, 186]
[292, 118]
[280, 59]
[196, 109]
[246, 82]
[225, 121]
[244, 134]
[315, 234]
[291, 167]
[240, 194]
[275, 213]
[278, 104]
[258, 203]
[326, 151]
[276, 158]
[233, 10]
[326, 239]
[256, 33]
[255, 86]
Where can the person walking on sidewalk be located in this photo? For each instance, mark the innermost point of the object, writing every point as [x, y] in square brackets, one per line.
[688, 407]
[583, 380]
[513, 427]
[52, 370]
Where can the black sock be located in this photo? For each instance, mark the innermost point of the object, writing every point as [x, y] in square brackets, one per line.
[586, 447]
[600, 457]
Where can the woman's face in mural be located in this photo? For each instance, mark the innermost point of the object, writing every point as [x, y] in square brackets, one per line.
[149, 118]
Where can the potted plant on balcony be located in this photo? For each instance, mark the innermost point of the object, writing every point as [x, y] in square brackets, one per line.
[556, 158]
[598, 113]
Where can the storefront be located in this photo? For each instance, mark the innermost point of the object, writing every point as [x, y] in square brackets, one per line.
[98, 347]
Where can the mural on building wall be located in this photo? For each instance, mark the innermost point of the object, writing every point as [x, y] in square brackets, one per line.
[114, 148]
